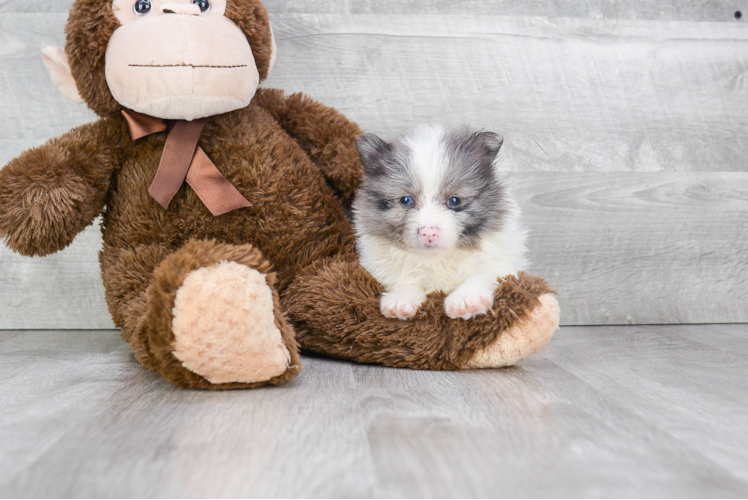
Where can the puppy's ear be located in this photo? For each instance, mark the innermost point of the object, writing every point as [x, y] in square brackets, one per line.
[56, 62]
[374, 153]
[486, 144]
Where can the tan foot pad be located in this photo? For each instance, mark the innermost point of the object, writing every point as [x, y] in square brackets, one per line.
[523, 339]
[224, 326]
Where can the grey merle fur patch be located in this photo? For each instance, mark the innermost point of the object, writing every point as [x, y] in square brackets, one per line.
[391, 175]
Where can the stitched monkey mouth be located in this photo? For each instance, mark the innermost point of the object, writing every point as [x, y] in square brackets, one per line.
[185, 65]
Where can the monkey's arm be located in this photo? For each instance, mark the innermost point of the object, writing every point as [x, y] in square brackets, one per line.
[51, 193]
[326, 135]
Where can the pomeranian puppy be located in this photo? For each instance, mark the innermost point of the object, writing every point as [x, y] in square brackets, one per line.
[433, 214]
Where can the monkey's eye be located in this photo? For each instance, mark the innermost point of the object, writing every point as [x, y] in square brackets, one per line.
[203, 4]
[406, 201]
[454, 202]
[142, 7]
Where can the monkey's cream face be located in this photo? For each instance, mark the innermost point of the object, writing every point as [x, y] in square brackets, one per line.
[180, 59]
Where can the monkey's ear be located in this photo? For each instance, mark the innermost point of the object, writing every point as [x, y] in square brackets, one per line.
[374, 153]
[56, 62]
[273, 50]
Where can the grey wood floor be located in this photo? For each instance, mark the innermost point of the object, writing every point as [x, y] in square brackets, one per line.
[602, 411]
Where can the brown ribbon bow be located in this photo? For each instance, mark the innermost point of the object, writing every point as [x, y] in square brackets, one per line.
[182, 160]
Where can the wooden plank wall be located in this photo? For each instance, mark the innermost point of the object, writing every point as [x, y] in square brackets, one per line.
[664, 10]
[625, 127]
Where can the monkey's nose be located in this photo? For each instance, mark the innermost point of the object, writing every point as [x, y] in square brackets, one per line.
[189, 9]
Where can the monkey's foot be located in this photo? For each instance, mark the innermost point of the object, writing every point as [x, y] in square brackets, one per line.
[224, 326]
[523, 339]
[212, 320]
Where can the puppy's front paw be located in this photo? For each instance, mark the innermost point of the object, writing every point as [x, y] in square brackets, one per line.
[468, 302]
[402, 304]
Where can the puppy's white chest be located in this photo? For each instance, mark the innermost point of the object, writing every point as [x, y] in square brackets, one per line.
[396, 268]
[444, 274]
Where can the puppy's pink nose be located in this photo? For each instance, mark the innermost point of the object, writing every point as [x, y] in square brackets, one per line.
[428, 236]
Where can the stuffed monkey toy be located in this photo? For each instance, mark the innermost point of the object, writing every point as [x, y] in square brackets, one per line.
[226, 240]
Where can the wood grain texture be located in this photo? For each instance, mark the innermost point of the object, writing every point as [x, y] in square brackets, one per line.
[64, 289]
[620, 248]
[691, 10]
[570, 95]
[32, 110]
[640, 248]
[601, 412]
[625, 142]
[24, 6]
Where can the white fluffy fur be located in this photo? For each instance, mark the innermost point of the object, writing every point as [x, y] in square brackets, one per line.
[469, 276]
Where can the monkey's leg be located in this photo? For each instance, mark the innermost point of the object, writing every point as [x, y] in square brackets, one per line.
[334, 306]
[206, 316]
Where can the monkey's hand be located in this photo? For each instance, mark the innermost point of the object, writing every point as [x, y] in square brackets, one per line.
[39, 218]
[51, 193]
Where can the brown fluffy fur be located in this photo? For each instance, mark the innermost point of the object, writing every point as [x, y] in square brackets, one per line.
[292, 158]
[332, 299]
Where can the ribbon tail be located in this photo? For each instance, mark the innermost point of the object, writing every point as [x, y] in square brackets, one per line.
[213, 189]
[179, 150]
[169, 179]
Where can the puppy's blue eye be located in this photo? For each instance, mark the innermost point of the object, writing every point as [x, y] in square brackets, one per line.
[406, 201]
[203, 4]
[454, 201]
[142, 7]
